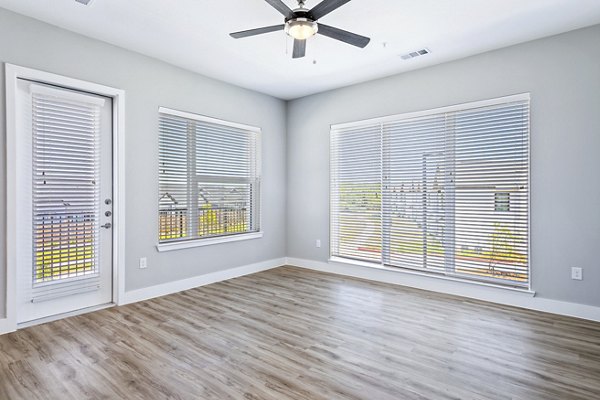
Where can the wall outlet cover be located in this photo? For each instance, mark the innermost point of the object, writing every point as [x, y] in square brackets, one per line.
[577, 273]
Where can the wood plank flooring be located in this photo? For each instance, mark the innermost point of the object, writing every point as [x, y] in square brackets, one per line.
[290, 333]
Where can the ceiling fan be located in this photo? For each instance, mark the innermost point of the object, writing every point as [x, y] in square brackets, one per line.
[301, 24]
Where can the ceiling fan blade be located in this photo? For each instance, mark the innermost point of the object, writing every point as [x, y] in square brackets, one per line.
[344, 36]
[280, 6]
[257, 31]
[325, 7]
[299, 48]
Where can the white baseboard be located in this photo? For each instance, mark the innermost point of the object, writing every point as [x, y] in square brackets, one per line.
[197, 281]
[7, 326]
[492, 294]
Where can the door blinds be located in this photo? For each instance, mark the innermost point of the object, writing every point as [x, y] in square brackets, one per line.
[445, 191]
[66, 177]
[208, 178]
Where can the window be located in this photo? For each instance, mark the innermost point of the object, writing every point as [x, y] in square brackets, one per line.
[422, 191]
[502, 202]
[209, 178]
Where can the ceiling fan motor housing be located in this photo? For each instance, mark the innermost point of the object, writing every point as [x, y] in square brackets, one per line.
[300, 13]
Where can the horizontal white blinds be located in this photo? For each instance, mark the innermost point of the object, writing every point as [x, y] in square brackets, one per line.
[173, 178]
[414, 192]
[66, 173]
[356, 193]
[445, 192]
[208, 178]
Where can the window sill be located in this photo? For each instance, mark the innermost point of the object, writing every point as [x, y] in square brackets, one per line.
[188, 244]
[521, 290]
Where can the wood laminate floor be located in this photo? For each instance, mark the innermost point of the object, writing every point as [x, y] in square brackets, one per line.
[290, 333]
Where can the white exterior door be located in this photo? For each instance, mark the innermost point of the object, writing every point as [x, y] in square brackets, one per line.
[64, 207]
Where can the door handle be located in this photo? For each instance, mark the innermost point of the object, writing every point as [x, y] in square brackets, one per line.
[107, 225]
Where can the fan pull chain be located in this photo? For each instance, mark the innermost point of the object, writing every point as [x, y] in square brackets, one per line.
[285, 37]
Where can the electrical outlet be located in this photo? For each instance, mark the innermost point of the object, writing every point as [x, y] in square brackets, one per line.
[318, 243]
[143, 263]
[577, 273]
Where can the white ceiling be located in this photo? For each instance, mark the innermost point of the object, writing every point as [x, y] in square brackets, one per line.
[193, 34]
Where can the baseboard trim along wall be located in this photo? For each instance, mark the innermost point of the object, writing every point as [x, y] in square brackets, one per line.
[491, 294]
[6, 326]
[485, 293]
[197, 281]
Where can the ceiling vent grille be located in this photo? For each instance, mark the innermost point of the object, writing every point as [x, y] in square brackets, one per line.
[84, 2]
[415, 54]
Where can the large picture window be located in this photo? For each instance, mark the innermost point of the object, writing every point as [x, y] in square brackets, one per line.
[444, 191]
[209, 180]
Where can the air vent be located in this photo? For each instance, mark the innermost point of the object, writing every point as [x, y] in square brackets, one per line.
[85, 2]
[415, 54]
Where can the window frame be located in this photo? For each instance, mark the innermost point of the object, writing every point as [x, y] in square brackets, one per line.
[483, 281]
[256, 211]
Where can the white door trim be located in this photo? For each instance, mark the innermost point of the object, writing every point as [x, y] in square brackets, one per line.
[13, 73]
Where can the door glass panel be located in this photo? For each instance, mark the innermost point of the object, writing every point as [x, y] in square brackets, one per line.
[66, 196]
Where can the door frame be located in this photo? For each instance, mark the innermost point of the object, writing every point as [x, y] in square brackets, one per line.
[13, 74]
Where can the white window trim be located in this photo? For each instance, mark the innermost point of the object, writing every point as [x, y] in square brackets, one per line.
[456, 107]
[440, 110]
[12, 74]
[203, 118]
[209, 241]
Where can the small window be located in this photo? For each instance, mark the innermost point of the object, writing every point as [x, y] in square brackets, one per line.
[209, 180]
[502, 202]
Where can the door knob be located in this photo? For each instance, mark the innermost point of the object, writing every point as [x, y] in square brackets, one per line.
[107, 225]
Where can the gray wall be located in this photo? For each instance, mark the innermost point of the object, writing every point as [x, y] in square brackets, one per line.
[562, 73]
[149, 84]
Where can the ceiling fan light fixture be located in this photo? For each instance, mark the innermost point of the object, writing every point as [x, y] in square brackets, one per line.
[301, 28]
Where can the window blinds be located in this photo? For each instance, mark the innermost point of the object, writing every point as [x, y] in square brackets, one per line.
[356, 192]
[66, 177]
[208, 179]
[444, 191]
